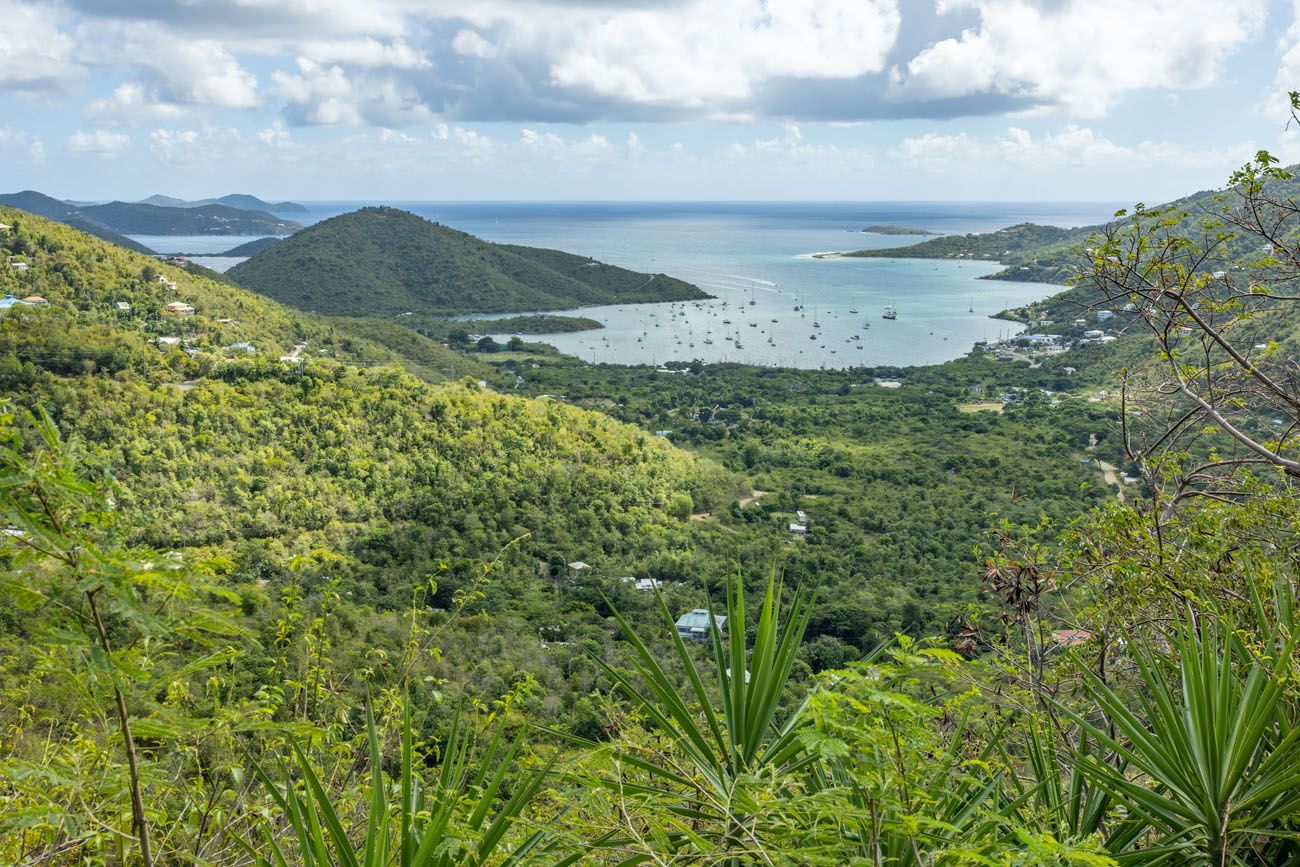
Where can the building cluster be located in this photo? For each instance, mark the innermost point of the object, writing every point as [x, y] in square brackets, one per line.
[1040, 345]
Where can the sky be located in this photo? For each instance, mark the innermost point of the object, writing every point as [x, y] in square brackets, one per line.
[419, 100]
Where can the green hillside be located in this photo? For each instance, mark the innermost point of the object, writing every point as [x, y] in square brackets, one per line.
[53, 209]
[251, 248]
[221, 442]
[85, 281]
[384, 262]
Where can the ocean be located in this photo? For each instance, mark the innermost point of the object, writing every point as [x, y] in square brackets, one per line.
[756, 258]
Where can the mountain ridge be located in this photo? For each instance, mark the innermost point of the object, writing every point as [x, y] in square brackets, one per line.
[242, 201]
[135, 218]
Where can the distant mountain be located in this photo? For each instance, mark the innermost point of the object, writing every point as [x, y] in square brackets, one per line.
[384, 261]
[53, 209]
[169, 202]
[135, 218]
[253, 203]
[234, 200]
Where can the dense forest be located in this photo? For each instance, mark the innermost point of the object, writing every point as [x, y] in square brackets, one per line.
[287, 589]
[388, 262]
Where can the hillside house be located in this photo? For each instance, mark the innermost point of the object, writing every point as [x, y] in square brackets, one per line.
[694, 625]
[799, 529]
[34, 299]
[241, 346]
[1105, 315]
[801, 517]
[1071, 637]
[20, 267]
[5, 228]
[123, 307]
[645, 585]
[179, 308]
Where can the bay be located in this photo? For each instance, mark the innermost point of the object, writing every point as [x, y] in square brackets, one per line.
[756, 258]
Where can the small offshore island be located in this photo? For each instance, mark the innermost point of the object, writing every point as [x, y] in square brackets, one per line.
[896, 230]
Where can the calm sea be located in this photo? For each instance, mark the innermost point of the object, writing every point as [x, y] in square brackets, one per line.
[756, 258]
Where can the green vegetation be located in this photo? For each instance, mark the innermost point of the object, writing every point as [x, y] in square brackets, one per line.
[53, 209]
[316, 611]
[896, 230]
[386, 262]
[1034, 253]
[135, 218]
[251, 248]
[539, 324]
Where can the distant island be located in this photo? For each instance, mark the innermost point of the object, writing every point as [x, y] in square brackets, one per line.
[389, 262]
[136, 218]
[235, 200]
[896, 230]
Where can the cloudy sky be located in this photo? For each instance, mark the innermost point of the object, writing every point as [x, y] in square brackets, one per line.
[1109, 100]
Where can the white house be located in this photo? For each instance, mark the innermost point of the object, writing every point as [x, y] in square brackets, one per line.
[799, 529]
[803, 519]
[694, 625]
[648, 584]
[1104, 315]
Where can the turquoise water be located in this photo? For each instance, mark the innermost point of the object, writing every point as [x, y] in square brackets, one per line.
[840, 322]
[760, 252]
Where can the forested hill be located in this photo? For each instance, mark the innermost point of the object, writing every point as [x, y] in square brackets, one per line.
[50, 208]
[106, 313]
[1049, 254]
[138, 218]
[219, 441]
[384, 261]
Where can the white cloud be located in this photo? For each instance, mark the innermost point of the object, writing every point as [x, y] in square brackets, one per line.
[1071, 146]
[709, 52]
[35, 54]
[1082, 54]
[99, 143]
[334, 96]
[471, 44]
[131, 103]
[215, 148]
[366, 53]
[1276, 104]
[174, 73]
[790, 152]
[24, 143]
